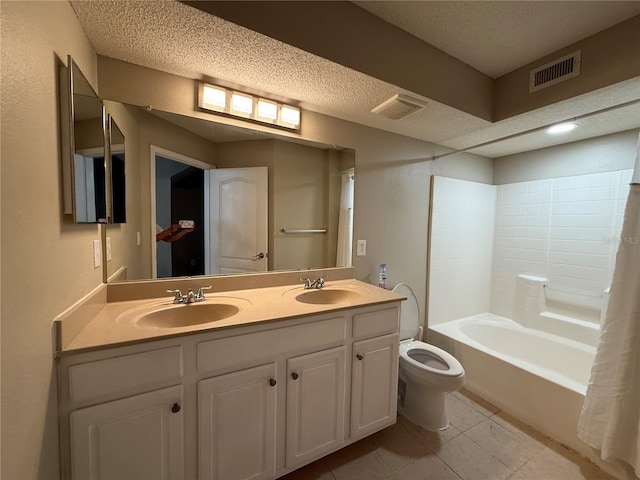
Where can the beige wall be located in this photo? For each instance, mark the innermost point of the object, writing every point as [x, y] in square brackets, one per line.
[46, 262]
[601, 154]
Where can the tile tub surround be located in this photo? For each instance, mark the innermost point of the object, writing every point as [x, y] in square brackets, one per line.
[91, 325]
[563, 229]
[482, 443]
[484, 237]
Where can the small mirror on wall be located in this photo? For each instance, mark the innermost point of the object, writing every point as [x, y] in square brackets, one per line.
[83, 147]
[117, 172]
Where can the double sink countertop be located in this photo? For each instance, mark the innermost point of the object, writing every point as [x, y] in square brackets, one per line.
[119, 323]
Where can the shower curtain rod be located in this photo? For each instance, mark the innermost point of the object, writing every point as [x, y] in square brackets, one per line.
[534, 130]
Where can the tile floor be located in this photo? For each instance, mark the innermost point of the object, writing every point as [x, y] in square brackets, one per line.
[481, 443]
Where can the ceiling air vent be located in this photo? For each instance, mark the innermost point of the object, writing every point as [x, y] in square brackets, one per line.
[399, 106]
[554, 72]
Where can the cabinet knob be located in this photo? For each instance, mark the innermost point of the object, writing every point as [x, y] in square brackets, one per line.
[294, 375]
[359, 357]
[175, 408]
[272, 382]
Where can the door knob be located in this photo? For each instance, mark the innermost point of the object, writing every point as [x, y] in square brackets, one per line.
[259, 256]
[175, 408]
[272, 382]
[359, 357]
[294, 375]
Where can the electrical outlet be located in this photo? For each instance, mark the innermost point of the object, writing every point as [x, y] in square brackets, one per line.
[361, 250]
[97, 254]
[108, 249]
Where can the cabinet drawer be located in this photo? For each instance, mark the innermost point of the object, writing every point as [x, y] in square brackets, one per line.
[254, 347]
[376, 323]
[126, 375]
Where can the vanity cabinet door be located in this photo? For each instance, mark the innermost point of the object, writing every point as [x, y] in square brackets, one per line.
[136, 438]
[374, 384]
[236, 425]
[315, 404]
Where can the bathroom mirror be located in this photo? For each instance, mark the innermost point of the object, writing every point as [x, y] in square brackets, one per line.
[308, 221]
[83, 147]
[117, 172]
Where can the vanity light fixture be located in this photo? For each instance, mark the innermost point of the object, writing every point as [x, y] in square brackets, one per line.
[221, 100]
[561, 128]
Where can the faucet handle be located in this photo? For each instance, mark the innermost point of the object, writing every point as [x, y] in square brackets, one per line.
[308, 283]
[178, 298]
[200, 295]
[320, 283]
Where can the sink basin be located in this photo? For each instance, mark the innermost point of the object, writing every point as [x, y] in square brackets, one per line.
[327, 296]
[176, 316]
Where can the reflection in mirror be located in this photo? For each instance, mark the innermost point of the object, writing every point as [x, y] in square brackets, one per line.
[117, 171]
[308, 192]
[84, 168]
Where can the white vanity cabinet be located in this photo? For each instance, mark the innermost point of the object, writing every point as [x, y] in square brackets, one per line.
[315, 405]
[254, 402]
[374, 376]
[138, 437]
[124, 416]
[374, 383]
[237, 425]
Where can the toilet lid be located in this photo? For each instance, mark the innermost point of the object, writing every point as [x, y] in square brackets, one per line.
[409, 312]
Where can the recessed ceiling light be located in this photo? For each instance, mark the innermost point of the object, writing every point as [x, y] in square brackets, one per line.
[561, 128]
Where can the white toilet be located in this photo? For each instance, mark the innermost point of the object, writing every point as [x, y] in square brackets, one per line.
[426, 373]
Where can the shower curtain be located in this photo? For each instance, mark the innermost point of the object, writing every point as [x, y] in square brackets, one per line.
[610, 418]
[345, 221]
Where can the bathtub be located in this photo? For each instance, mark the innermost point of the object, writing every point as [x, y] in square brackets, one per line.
[537, 377]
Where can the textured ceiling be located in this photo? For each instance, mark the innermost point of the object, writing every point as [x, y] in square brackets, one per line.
[179, 39]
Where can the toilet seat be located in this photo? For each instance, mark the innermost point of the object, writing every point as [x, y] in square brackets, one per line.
[453, 366]
[426, 373]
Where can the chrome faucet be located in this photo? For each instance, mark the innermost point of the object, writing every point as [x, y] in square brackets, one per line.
[190, 297]
[200, 294]
[178, 298]
[311, 284]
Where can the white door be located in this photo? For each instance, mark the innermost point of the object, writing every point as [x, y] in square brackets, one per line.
[239, 204]
[374, 387]
[315, 404]
[136, 438]
[236, 425]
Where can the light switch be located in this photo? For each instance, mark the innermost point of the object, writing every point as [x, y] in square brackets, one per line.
[108, 249]
[97, 254]
[138, 239]
[361, 249]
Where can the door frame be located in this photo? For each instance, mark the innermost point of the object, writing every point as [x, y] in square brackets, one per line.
[177, 157]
